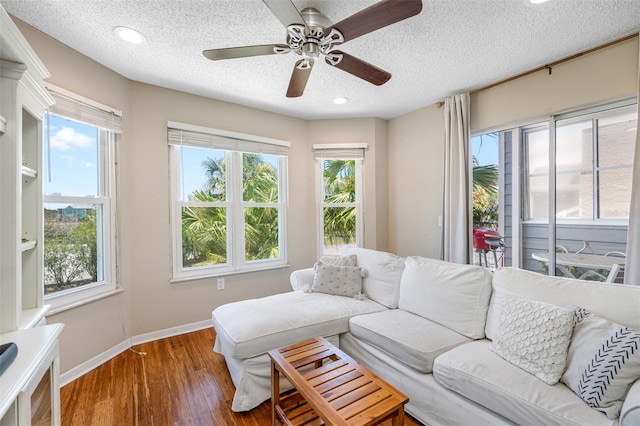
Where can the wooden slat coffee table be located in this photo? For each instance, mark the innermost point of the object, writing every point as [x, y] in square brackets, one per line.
[330, 388]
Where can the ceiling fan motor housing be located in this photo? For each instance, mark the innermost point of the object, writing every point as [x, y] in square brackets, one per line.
[310, 41]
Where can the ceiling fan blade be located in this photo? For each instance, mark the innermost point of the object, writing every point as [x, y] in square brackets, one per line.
[242, 52]
[361, 69]
[285, 11]
[299, 78]
[378, 16]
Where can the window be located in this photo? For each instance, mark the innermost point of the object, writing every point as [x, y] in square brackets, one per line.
[228, 202]
[339, 189]
[79, 200]
[593, 161]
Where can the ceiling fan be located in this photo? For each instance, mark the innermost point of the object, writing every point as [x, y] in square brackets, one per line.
[311, 35]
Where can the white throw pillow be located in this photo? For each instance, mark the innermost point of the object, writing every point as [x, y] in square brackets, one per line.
[337, 280]
[603, 362]
[350, 260]
[534, 336]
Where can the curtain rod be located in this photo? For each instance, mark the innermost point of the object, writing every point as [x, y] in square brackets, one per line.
[548, 67]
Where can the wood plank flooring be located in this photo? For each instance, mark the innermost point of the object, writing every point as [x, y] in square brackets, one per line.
[180, 381]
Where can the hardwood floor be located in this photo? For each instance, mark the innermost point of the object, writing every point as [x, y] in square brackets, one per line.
[180, 381]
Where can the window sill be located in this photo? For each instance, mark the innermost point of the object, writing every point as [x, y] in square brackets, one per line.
[62, 308]
[226, 274]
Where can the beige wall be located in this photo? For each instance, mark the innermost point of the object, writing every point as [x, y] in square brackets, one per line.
[415, 159]
[149, 301]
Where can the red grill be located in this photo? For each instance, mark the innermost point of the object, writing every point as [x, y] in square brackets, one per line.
[482, 235]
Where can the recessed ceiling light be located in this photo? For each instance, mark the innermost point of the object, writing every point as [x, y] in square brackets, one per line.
[129, 34]
[537, 1]
[340, 101]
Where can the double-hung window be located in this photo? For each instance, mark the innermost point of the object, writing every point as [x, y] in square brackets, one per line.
[79, 200]
[339, 171]
[229, 198]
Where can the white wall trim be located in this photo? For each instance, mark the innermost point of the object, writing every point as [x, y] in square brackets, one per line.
[82, 369]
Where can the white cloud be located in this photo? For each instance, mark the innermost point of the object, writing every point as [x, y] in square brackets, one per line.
[67, 138]
[89, 165]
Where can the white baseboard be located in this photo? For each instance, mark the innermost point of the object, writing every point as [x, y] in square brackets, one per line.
[82, 369]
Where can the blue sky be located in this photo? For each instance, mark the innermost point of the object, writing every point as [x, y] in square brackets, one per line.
[485, 148]
[73, 151]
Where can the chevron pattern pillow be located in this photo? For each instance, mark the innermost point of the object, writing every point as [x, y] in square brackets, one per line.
[602, 363]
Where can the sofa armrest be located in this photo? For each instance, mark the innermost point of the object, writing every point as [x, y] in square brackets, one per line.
[301, 278]
[630, 414]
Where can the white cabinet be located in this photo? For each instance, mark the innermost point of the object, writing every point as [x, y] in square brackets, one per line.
[23, 102]
[29, 388]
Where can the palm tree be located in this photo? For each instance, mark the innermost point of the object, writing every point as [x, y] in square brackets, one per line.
[204, 229]
[340, 187]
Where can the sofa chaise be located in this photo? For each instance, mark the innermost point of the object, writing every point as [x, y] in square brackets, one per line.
[457, 339]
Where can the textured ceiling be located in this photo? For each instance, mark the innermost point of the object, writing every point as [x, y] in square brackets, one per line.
[450, 47]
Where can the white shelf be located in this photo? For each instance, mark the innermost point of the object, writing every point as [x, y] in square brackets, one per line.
[29, 245]
[29, 172]
[33, 346]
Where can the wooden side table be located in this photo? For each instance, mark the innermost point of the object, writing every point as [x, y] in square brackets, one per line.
[330, 388]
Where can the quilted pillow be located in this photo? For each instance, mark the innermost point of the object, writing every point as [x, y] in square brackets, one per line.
[534, 336]
[338, 280]
[603, 362]
[349, 260]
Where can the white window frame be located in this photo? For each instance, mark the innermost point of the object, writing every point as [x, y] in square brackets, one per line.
[354, 151]
[234, 203]
[107, 121]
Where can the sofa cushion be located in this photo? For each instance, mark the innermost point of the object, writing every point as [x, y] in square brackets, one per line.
[456, 296]
[535, 337]
[618, 303]
[409, 338]
[255, 326]
[383, 274]
[603, 363]
[475, 372]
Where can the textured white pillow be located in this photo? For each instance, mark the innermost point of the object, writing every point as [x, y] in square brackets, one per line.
[337, 280]
[350, 260]
[603, 362]
[534, 336]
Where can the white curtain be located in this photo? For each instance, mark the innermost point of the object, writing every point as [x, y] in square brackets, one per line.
[632, 268]
[457, 175]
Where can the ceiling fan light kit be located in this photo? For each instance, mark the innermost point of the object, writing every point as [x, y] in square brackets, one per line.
[311, 36]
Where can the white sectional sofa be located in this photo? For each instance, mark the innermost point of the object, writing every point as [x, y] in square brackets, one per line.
[432, 329]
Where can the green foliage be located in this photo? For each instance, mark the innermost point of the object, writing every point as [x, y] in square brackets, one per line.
[485, 194]
[340, 187]
[70, 253]
[204, 229]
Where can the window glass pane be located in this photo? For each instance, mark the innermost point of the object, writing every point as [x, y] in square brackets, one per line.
[339, 181]
[259, 178]
[261, 233]
[203, 174]
[204, 236]
[574, 195]
[615, 193]
[73, 246]
[72, 159]
[574, 146]
[616, 140]
[339, 228]
[536, 142]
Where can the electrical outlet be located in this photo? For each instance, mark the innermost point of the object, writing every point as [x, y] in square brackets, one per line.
[220, 283]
